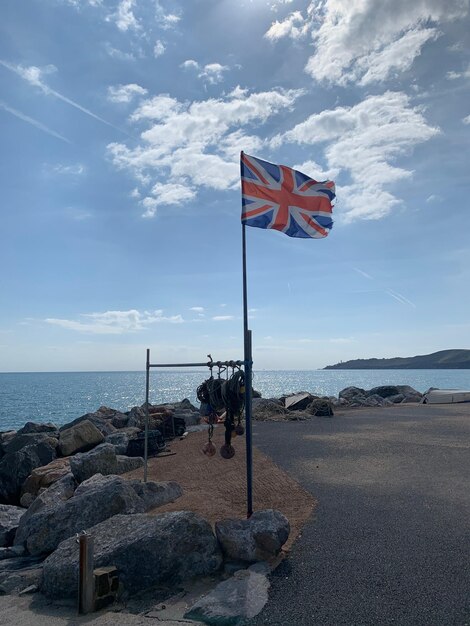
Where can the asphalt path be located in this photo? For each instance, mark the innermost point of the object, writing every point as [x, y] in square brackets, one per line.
[389, 541]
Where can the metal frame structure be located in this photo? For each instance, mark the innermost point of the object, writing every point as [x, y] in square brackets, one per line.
[248, 393]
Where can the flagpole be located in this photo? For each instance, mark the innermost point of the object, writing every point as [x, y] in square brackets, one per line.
[248, 391]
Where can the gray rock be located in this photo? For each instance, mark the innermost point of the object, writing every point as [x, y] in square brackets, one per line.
[9, 520]
[79, 437]
[384, 391]
[233, 601]
[146, 549]
[36, 427]
[258, 538]
[17, 581]
[101, 420]
[120, 441]
[100, 460]
[191, 418]
[15, 467]
[157, 494]
[396, 399]
[20, 441]
[128, 464]
[44, 530]
[120, 420]
[265, 408]
[351, 394]
[12, 552]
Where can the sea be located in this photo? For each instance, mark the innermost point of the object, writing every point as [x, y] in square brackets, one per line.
[60, 397]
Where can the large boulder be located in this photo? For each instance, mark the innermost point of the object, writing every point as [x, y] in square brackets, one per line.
[102, 460]
[9, 520]
[234, 601]
[38, 427]
[71, 509]
[120, 441]
[411, 395]
[78, 438]
[258, 538]
[100, 420]
[43, 531]
[42, 478]
[146, 549]
[384, 391]
[352, 394]
[21, 440]
[15, 467]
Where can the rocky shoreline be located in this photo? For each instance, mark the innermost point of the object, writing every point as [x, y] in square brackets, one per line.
[56, 482]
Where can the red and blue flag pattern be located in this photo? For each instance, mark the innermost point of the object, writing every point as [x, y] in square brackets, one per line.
[276, 196]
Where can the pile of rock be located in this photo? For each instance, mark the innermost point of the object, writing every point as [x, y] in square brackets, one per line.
[296, 406]
[385, 395]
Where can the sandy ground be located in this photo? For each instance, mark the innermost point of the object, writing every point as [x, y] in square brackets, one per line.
[213, 487]
[216, 487]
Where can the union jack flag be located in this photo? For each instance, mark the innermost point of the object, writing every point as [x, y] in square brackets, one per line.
[276, 196]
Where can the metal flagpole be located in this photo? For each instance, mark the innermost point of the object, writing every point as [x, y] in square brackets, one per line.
[147, 390]
[248, 392]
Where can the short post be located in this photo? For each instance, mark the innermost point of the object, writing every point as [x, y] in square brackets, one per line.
[147, 392]
[86, 579]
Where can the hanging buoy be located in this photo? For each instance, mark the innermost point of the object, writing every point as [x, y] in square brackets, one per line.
[227, 451]
[209, 449]
[239, 430]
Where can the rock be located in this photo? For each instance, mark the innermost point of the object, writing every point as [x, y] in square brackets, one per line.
[120, 420]
[120, 441]
[35, 427]
[43, 477]
[43, 531]
[351, 394]
[146, 549]
[80, 437]
[128, 464]
[156, 443]
[28, 590]
[185, 405]
[14, 582]
[15, 467]
[411, 395]
[255, 394]
[11, 552]
[258, 538]
[20, 441]
[157, 494]
[233, 601]
[396, 399]
[384, 391]
[298, 401]
[99, 420]
[100, 460]
[191, 418]
[9, 520]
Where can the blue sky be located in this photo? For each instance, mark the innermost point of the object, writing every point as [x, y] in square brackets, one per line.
[121, 125]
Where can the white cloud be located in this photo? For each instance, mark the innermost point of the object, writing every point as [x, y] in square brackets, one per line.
[223, 318]
[166, 194]
[125, 93]
[69, 170]
[364, 140]
[213, 73]
[195, 143]
[197, 309]
[124, 17]
[115, 53]
[434, 198]
[453, 75]
[190, 64]
[158, 49]
[294, 26]
[316, 171]
[366, 40]
[166, 21]
[115, 322]
[466, 120]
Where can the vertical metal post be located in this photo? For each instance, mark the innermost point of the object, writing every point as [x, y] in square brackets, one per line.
[147, 392]
[248, 392]
[86, 579]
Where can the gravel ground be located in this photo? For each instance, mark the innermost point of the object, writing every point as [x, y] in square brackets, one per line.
[389, 540]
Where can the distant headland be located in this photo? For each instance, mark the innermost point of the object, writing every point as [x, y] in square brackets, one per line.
[444, 359]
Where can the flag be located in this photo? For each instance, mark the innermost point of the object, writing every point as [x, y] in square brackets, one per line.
[276, 196]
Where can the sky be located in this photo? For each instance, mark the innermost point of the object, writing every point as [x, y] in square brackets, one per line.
[121, 124]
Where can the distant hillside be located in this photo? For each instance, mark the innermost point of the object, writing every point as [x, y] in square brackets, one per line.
[445, 359]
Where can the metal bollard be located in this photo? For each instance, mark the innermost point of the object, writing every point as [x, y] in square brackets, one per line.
[86, 579]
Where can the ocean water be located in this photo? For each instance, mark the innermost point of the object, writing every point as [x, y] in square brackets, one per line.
[62, 396]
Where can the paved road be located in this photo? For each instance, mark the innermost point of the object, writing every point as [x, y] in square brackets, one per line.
[389, 541]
